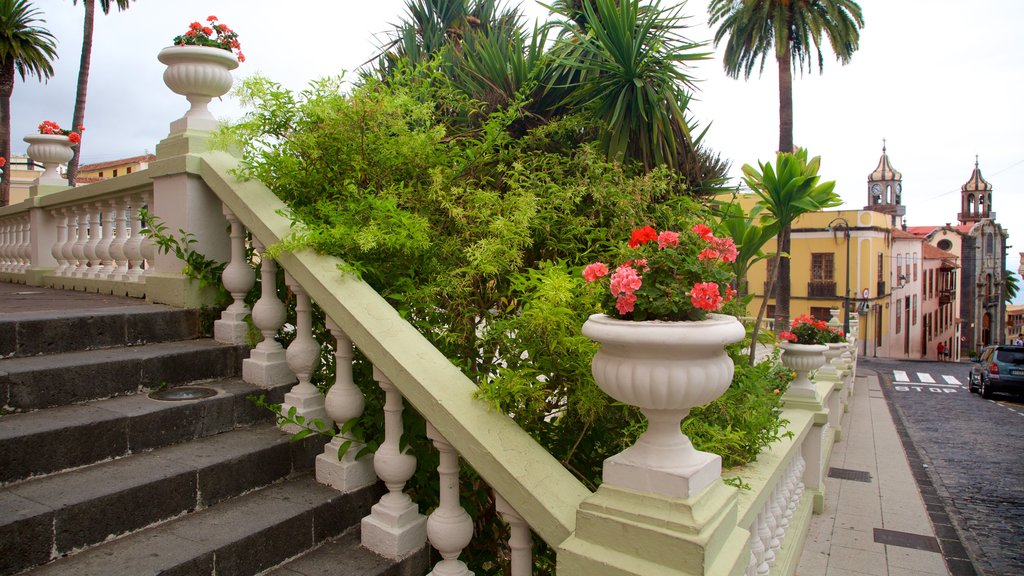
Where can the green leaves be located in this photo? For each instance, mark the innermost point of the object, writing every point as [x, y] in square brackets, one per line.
[790, 188]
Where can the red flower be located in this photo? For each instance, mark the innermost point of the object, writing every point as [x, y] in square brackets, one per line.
[729, 293]
[3, 161]
[668, 238]
[241, 57]
[595, 271]
[74, 138]
[726, 247]
[211, 18]
[207, 30]
[625, 280]
[703, 231]
[625, 303]
[787, 336]
[706, 296]
[642, 236]
[708, 254]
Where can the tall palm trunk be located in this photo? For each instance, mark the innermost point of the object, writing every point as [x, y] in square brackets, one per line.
[770, 288]
[782, 291]
[78, 119]
[6, 89]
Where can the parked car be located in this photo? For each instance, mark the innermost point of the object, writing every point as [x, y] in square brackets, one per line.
[998, 369]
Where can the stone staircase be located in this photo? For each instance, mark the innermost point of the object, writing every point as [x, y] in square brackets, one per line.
[98, 478]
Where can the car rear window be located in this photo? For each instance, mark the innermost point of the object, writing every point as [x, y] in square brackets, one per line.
[1010, 356]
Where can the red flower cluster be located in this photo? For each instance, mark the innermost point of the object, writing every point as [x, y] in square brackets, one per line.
[51, 127]
[215, 35]
[807, 330]
[672, 277]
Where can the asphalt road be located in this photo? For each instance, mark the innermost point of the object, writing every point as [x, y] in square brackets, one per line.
[973, 450]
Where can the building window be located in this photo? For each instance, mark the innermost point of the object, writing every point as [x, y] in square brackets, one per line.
[945, 244]
[822, 267]
[899, 318]
[915, 267]
[115, 172]
[899, 267]
[101, 173]
[821, 313]
[914, 316]
[931, 283]
[128, 170]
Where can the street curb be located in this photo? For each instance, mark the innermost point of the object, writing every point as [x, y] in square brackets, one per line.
[959, 560]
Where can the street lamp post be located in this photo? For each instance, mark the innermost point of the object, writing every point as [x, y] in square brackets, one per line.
[846, 294]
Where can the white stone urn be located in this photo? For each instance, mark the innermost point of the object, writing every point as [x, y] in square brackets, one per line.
[52, 150]
[831, 369]
[199, 73]
[802, 359]
[665, 369]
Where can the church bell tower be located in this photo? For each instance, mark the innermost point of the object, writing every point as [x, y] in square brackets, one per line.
[885, 190]
[975, 198]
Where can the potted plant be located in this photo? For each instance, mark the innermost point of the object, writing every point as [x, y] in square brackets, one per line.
[53, 147]
[662, 350]
[803, 351]
[199, 65]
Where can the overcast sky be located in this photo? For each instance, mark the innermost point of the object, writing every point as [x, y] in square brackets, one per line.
[941, 81]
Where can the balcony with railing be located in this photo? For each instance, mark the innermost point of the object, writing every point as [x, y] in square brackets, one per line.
[947, 296]
[821, 289]
[90, 238]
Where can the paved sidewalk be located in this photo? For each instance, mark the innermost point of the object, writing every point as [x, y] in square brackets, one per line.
[875, 521]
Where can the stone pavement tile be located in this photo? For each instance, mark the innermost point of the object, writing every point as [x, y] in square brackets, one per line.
[858, 539]
[898, 571]
[858, 519]
[911, 559]
[855, 560]
[837, 571]
[812, 564]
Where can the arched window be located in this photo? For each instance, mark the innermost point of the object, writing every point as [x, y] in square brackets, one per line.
[970, 203]
[945, 244]
[988, 285]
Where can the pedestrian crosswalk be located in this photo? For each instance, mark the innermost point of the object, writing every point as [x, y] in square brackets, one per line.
[912, 381]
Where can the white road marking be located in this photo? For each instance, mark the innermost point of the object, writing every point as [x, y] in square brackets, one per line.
[944, 385]
[925, 377]
[900, 375]
[951, 379]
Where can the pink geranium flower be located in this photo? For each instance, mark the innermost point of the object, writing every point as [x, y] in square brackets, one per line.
[595, 271]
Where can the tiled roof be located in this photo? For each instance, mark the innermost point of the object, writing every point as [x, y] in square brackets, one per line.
[930, 252]
[923, 231]
[884, 171]
[976, 183]
[897, 233]
[124, 161]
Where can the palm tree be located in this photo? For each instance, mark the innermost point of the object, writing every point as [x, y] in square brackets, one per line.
[626, 64]
[793, 28]
[1012, 283]
[28, 50]
[787, 190]
[78, 118]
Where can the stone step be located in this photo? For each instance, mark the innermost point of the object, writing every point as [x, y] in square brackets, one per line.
[55, 439]
[35, 382]
[44, 518]
[32, 333]
[243, 536]
[344, 556]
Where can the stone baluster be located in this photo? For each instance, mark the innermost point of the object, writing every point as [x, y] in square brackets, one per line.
[267, 365]
[302, 355]
[78, 249]
[520, 541]
[344, 402]
[119, 270]
[764, 538]
[133, 247]
[57, 250]
[68, 249]
[147, 245]
[95, 234]
[756, 550]
[103, 254]
[10, 258]
[5, 226]
[449, 527]
[775, 523]
[22, 250]
[394, 528]
[238, 278]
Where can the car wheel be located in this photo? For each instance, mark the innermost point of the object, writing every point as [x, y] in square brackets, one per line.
[986, 389]
[970, 383]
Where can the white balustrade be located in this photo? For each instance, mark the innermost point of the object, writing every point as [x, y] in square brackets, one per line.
[25, 246]
[449, 527]
[238, 278]
[147, 245]
[394, 528]
[302, 355]
[764, 536]
[267, 364]
[68, 248]
[119, 271]
[520, 541]
[344, 402]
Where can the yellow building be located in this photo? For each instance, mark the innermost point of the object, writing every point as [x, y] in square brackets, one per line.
[23, 173]
[818, 270]
[104, 170]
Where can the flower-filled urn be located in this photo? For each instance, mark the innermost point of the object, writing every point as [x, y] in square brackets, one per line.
[52, 147]
[199, 66]
[662, 349]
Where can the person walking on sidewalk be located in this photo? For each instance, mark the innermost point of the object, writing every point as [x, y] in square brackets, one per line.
[941, 349]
